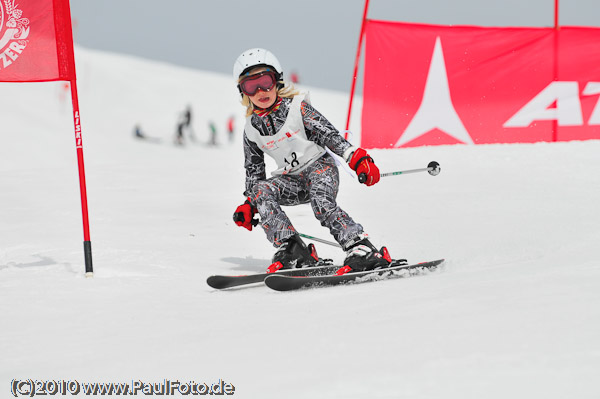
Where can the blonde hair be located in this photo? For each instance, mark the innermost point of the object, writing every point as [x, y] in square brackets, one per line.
[283, 91]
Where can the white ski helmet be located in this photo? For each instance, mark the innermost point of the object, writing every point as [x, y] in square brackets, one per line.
[256, 57]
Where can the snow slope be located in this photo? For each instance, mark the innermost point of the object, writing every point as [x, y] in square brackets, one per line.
[515, 312]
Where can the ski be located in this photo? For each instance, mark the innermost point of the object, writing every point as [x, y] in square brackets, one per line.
[323, 267]
[280, 282]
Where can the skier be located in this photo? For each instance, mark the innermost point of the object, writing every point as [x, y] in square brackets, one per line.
[187, 122]
[179, 134]
[294, 77]
[281, 123]
[213, 133]
[230, 127]
[184, 122]
[137, 132]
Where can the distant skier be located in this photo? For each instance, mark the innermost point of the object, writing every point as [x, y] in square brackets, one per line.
[184, 123]
[281, 123]
[213, 133]
[294, 77]
[179, 140]
[187, 122]
[230, 127]
[137, 132]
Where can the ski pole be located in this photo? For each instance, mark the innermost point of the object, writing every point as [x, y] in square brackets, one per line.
[256, 221]
[433, 168]
[333, 244]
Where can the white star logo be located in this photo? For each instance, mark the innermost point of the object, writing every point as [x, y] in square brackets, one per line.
[436, 110]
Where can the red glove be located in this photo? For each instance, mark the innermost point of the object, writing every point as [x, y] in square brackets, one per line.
[365, 167]
[243, 215]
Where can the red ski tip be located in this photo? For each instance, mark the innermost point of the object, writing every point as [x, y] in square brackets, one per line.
[343, 270]
[274, 267]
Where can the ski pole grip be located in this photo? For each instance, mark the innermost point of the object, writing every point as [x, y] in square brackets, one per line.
[362, 178]
[239, 217]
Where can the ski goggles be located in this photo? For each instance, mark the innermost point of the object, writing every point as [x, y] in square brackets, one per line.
[264, 81]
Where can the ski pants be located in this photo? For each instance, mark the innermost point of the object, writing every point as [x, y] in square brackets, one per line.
[318, 184]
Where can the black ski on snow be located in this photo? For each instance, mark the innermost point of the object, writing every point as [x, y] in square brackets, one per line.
[323, 267]
[280, 282]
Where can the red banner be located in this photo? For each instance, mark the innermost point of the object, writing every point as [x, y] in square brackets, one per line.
[36, 42]
[432, 85]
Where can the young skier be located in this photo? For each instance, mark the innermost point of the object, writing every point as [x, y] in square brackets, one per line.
[281, 123]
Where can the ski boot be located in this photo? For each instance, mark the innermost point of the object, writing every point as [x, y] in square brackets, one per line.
[363, 255]
[293, 253]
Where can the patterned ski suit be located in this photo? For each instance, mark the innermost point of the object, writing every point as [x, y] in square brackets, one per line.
[295, 135]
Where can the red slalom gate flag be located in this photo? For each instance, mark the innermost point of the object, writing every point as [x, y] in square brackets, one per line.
[432, 85]
[36, 45]
[36, 41]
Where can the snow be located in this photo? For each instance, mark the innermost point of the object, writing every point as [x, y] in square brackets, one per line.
[515, 311]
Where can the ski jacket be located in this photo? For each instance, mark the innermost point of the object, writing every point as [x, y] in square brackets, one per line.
[310, 134]
[289, 146]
